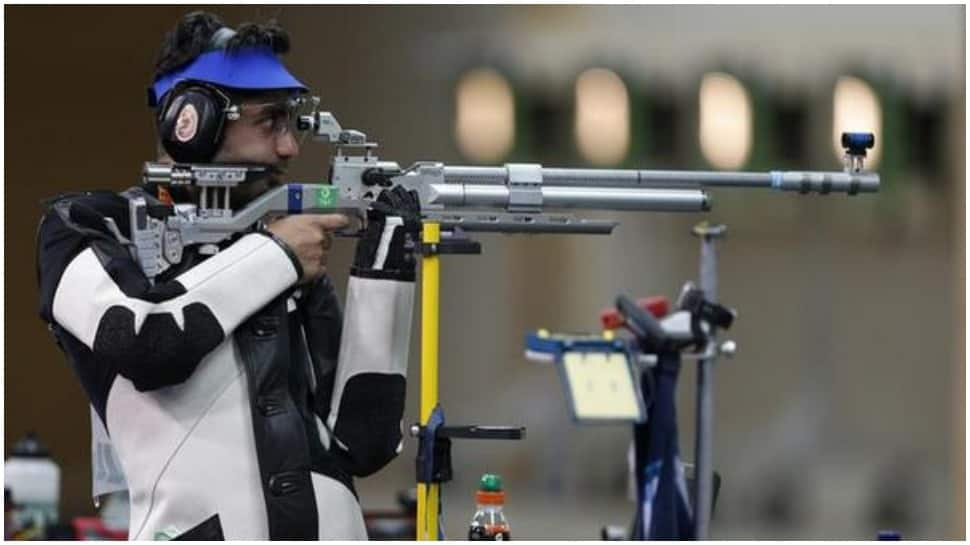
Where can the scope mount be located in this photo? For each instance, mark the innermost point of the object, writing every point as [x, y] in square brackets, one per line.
[324, 127]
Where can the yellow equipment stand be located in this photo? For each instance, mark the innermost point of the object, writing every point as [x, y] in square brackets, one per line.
[428, 504]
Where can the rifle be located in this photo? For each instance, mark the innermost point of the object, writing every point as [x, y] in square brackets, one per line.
[514, 198]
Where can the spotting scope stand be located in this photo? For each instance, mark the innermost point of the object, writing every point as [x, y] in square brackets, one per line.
[672, 334]
[661, 338]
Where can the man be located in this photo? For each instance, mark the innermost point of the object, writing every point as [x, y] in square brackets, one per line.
[240, 400]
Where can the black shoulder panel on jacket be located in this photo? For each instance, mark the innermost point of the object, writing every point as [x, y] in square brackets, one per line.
[59, 241]
[165, 354]
[71, 223]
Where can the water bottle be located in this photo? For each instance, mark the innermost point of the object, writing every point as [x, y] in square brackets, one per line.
[489, 522]
[34, 481]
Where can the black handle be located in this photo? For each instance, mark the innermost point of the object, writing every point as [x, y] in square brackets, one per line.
[647, 329]
[482, 432]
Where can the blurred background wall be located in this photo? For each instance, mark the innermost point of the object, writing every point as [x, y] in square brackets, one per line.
[843, 412]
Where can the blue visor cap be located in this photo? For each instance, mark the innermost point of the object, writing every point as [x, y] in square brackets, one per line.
[248, 69]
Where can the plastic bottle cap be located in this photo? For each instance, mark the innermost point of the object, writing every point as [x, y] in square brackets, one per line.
[490, 482]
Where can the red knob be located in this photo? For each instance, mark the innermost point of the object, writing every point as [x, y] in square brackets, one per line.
[611, 319]
[658, 305]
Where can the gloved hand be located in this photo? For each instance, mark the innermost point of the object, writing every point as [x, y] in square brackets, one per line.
[388, 245]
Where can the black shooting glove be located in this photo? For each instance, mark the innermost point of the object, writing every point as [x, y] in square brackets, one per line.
[387, 248]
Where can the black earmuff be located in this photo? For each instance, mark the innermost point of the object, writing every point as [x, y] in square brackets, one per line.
[191, 122]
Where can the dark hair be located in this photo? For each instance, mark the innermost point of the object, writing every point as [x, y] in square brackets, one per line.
[193, 35]
[269, 35]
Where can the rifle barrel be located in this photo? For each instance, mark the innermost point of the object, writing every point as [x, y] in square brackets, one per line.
[592, 198]
[821, 181]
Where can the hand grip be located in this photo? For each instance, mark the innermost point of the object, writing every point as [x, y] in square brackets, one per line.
[647, 329]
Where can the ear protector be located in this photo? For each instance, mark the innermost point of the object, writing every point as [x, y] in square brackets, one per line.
[191, 121]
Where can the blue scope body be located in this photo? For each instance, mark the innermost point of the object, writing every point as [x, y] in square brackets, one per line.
[856, 143]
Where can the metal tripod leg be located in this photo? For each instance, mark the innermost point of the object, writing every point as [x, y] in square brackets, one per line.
[709, 235]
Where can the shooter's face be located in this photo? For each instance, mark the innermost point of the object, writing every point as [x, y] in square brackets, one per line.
[262, 134]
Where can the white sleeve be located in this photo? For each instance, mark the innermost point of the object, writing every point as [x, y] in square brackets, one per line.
[233, 284]
[156, 335]
[368, 397]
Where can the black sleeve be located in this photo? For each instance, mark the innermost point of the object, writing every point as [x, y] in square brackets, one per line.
[323, 320]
